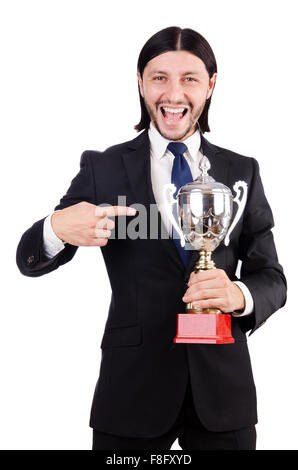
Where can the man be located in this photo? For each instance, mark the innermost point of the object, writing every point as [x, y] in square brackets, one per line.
[150, 390]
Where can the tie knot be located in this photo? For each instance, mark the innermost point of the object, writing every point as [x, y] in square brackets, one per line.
[177, 148]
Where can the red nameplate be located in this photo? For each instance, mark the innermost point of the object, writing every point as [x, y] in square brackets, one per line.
[204, 328]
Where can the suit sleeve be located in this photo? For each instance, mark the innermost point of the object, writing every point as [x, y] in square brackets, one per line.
[260, 270]
[30, 258]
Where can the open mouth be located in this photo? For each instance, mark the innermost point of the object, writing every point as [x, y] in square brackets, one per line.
[173, 115]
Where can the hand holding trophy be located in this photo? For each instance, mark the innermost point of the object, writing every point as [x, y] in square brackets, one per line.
[204, 212]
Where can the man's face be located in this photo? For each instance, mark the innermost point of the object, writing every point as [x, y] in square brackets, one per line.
[175, 87]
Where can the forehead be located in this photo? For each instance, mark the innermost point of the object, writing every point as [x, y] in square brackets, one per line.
[180, 62]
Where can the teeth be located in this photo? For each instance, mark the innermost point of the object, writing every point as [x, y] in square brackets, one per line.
[171, 110]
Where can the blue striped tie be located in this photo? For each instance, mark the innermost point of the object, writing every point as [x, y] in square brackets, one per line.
[181, 175]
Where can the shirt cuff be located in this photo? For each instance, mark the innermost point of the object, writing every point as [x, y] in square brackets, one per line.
[52, 245]
[249, 303]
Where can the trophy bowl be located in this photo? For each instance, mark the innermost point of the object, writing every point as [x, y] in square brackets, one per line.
[204, 213]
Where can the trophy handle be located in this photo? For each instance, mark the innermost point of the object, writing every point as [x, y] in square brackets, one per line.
[169, 201]
[241, 204]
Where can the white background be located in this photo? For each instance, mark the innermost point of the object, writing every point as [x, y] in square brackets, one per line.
[68, 83]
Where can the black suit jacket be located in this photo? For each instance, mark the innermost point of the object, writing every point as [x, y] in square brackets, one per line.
[143, 374]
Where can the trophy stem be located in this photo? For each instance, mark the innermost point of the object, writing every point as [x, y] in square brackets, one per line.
[204, 262]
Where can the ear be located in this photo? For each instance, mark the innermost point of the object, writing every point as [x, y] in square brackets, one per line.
[211, 85]
[140, 84]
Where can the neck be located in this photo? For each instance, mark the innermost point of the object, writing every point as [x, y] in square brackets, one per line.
[189, 133]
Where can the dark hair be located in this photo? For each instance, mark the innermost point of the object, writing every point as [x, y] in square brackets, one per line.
[176, 39]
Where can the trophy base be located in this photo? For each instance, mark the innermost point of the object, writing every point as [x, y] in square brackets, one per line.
[204, 328]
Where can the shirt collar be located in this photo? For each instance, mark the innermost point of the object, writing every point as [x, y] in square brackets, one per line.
[159, 144]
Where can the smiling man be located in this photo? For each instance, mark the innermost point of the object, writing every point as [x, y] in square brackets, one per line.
[175, 87]
[151, 391]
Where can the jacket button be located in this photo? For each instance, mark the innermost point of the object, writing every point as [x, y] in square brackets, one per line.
[30, 260]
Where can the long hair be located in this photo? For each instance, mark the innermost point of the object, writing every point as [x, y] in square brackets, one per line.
[176, 39]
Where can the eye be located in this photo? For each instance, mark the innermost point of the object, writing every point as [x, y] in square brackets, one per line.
[190, 79]
[159, 78]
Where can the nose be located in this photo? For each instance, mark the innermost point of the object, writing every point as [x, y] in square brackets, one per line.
[174, 92]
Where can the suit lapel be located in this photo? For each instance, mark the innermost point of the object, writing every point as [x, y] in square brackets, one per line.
[219, 167]
[136, 160]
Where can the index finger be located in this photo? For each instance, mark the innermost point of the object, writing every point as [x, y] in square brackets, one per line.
[202, 276]
[111, 211]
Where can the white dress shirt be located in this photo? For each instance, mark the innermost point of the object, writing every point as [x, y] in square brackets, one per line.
[161, 160]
